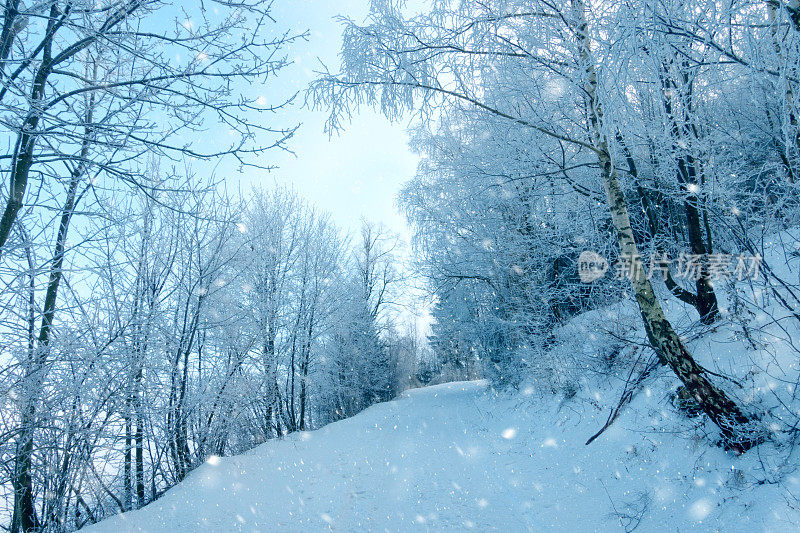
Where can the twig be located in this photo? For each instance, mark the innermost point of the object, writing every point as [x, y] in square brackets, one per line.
[627, 395]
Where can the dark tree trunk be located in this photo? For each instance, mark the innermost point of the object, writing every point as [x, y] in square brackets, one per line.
[687, 175]
[24, 515]
[735, 427]
[25, 147]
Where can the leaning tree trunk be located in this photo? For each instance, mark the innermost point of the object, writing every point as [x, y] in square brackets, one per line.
[724, 412]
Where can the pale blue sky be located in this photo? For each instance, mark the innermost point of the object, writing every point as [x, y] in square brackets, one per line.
[354, 173]
[357, 172]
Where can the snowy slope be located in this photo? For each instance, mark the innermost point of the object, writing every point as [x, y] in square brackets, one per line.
[458, 456]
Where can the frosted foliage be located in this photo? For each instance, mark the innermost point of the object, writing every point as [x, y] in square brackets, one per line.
[589, 351]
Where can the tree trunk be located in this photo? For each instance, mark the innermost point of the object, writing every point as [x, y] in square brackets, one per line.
[305, 365]
[26, 142]
[128, 463]
[24, 515]
[706, 299]
[654, 226]
[773, 12]
[139, 439]
[734, 425]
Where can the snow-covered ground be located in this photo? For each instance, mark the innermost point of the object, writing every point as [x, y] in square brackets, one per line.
[462, 456]
[459, 456]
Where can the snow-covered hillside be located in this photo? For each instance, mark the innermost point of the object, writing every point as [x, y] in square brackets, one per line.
[459, 456]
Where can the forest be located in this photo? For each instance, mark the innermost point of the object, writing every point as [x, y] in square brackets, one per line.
[607, 197]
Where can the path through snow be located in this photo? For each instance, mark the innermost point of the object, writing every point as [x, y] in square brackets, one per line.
[455, 457]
